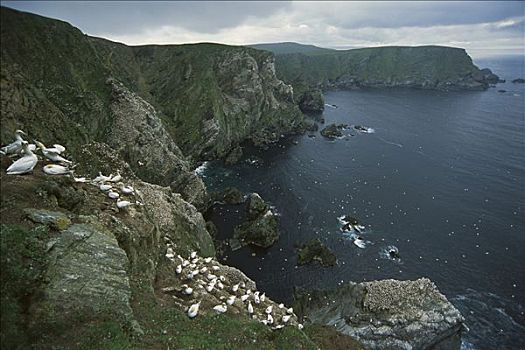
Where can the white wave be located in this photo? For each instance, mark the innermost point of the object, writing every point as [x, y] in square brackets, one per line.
[390, 252]
[329, 105]
[201, 169]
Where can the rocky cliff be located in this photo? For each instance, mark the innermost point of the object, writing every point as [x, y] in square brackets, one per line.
[425, 67]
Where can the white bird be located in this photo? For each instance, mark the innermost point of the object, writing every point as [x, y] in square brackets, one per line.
[264, 322]
[235, 287]
[286, 318]
[127, 189]
[113, 195]
[248, 291]
[279, 326]
[195, 272]
[178, 269]
[193, 265]
[51, 154]
[270, 319]
[185, 263]
[222, 278]
[208, 260]
[244, 297]
[290, 310]
[194, 310]
[210, 287]
[300, 326]
[196, 260]
[116, 178]
[187, 290]
[204, 269]
[281, 306]
[243, 284]
[193, 255]
[24, 164]
[263, 297]
[269, 309]
[102, 178]
[55, 169]
[105, 187]
[250, 308]
[256, 299]
[189, 275]
[79, 179]
[15, 146]
[220, 308]
[231, 300]
[123, 204]
[220, 285]
[215, 268]
[211, 277]
[360, 243]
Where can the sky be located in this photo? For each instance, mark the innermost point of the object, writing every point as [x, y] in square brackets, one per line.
[484, 28]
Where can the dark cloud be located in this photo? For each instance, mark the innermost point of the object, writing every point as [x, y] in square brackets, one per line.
[120, 17]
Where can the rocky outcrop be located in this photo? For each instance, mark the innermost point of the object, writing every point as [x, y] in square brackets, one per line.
[261, 227]
[333, 131]
[230, 195]
[518, 81]
[311, 101]
[315, 251]
[387, 314]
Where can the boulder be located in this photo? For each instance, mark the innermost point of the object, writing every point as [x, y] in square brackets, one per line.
[312, 101]
[262, 232]
[315, 251]
[54, 219]
[256, 206]
[333, 131]
[386, 314]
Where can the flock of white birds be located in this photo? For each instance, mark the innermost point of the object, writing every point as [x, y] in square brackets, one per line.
[203, 275]
[27, 160]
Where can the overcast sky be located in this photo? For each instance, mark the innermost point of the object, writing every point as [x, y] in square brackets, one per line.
[483, 27]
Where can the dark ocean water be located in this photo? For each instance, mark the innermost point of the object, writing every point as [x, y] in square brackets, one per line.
[442, 178]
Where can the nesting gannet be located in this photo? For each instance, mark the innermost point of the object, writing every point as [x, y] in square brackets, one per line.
[286, 318]
[123, 204]
[55, 169]
[235, 287]
[189, 275]
[203, 269]
[101, 178]
[231, 300]
[208, 260]
[244, 297]
[178, 269]
[127, 189]
[250, 308]
[187, 290]
[300, 326]
[290, 310]
[105, 187]
[270, 319]
[194, 310]
[220, 285]
[222, 278]
[242, 284]
[264, 322]
[195, 272]
[263, 297]
[196, 260]
[193, 255]
[211, 276]
[215, 268]
[248, 291]
[210, 287]
[78, 179]
[50, 154]
[113, 195]
[220, 308]
[281, 306]
[269, 309]
[256, 299]
[24, 164]
[15, 146]
[192, 265]
[185, 263]
[116, 178]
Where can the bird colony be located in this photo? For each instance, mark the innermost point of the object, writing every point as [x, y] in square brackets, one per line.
[205, 285]
[26, 160]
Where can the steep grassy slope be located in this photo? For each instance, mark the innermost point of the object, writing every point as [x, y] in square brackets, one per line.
[210, 97]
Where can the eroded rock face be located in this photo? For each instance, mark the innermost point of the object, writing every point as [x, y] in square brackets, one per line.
[387, 314]
[333, 131]
[315, 251]
[312, 101]
[261, 227]
[87, 275]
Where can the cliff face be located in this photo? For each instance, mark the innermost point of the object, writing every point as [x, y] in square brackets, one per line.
[209, 97]
[427, 67]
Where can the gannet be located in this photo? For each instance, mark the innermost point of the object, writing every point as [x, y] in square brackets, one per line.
[15, 146]
[235, 287]
[210, 287]
[300, 326]
[269, 309]
[231, 300]
[116, 178]
[123, 204]
[127, 189]
[105, 187]
[250, 308]
[263, 297]
[204, 269]
[208, 260]
[193, 255]
[113, 195]
[256, 299]
[244, 297]
[222, 278]
[50, 154]
[281, 306]
[220, 308]
[215, 268]
[55, 169]
[101, 178]
[290, 310]
[196, 260]
[178, 269]
[24, 164]
[286, 318]
[187, 290]
[211, 277]
[195, 272]
[192, 265]
[220, 285]
[243, 284]
[264, 322]
[270, 319]
[185, 263]
[194, 310]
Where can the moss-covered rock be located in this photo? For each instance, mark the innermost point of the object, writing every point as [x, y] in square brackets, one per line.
[57, 220]
[231, 195]
[311, 101]
[315, 251]
[261, 227]
[333, 131]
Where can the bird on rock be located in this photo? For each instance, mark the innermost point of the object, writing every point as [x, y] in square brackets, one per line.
[55, 169]
[15, 146]
[50, 154]
[25, 164]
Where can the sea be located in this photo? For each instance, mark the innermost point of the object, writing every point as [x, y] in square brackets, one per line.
[439, 176]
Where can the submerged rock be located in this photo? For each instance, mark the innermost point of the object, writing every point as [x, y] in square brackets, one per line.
[519, 81]
[333, 131]
[386, 314]
[315, 251]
